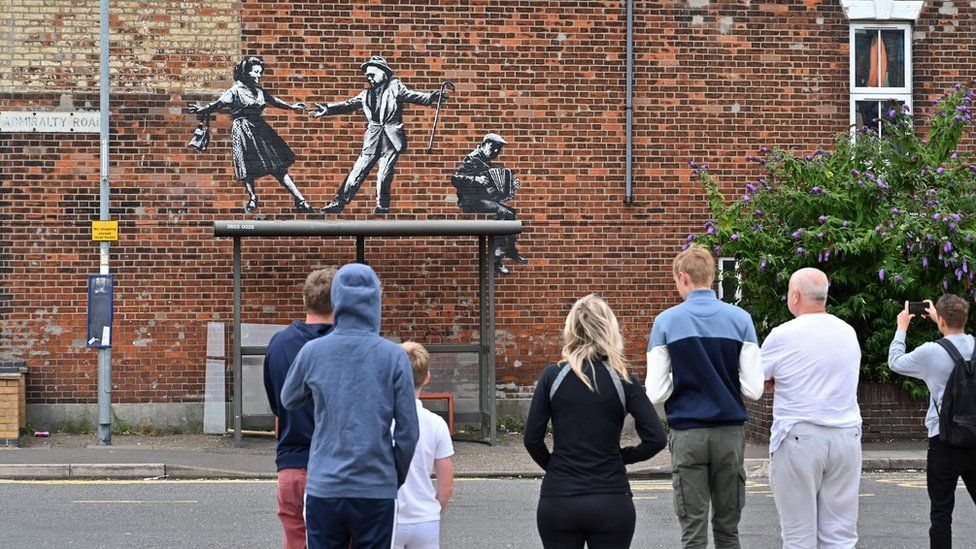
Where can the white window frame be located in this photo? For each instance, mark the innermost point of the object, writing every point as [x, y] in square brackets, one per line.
[721, 277]
[903, 94]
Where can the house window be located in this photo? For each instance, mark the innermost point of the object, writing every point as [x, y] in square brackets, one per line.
[729, 289]
[881, 71]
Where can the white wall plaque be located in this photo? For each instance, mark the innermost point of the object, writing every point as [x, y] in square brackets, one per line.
[50, 122]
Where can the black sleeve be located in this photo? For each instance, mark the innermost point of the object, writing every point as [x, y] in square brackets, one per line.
[269, 387]
[646, 423]
[538, 421]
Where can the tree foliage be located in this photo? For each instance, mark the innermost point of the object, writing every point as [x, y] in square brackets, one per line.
[889, 218]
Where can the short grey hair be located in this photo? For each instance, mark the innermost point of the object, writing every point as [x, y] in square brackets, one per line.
[811, 283]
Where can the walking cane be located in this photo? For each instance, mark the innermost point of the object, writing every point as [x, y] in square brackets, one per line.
[447, 85]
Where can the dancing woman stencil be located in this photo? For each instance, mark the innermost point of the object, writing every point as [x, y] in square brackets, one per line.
[257, 150]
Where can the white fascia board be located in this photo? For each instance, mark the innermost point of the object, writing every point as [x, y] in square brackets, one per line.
[882, 10]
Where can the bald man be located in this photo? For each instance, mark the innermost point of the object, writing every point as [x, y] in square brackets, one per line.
[812, 364]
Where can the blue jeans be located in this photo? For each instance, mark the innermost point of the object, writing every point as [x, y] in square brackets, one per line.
[341, 523]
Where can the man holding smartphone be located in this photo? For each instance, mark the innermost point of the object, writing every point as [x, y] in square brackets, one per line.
[931, 363]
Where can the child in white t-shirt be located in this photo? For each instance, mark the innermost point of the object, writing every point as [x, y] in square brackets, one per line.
[419, 503]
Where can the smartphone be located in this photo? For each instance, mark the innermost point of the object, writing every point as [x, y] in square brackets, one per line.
[918, 308]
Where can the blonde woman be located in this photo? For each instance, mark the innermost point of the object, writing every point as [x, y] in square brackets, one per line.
[585, 496]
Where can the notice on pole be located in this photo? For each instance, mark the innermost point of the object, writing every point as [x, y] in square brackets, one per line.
[105, 231]
[50, 122]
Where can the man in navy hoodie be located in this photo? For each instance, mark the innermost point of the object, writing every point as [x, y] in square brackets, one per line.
[702, 359]
[295, 427]
[360, 383]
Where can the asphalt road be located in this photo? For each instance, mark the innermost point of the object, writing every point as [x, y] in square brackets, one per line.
[484, 513]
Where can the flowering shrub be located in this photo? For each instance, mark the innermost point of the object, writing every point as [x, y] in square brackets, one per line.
[889, 219]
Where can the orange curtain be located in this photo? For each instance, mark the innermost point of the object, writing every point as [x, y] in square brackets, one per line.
[878, 71]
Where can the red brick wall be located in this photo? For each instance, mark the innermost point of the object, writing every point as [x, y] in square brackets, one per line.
[888, 412]
[712, 84]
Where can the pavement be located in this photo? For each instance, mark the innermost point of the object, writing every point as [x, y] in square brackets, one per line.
[63, 456]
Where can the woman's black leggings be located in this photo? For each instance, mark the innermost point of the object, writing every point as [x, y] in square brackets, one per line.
[601, 521]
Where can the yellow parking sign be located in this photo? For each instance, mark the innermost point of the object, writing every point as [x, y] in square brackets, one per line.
[105, 231]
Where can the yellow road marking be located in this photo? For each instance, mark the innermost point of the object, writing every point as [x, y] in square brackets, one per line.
[133, 501]
[138, 481]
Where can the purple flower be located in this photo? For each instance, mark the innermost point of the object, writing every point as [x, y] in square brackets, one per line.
[891, 113]
[945, 284]
[958, 274]
[816, 190]
[895, 211]
[734, 237]
[965, 265]
[845, 224]
[827, 255]
[750, 188]
[969, 238]
[877, 229]
[869, 175]
[758, 213]
[925, 262]
[800, 251]
[955, 216]
[883, 185]
[820, 234]
[762, 266]
[763, 150]
[797, 234]
[693, 164]
[897, 278]
[684, 247]
[854, 172]
[690, 237]
[822, 219]
[940, 170]
[745, 198]
[948, 247]
[717, 250]
[881, 274]
[711, 230]
[952, 227]
[954, 155]
[936, 217]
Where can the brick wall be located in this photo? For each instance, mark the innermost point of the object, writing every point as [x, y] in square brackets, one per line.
[888, 412]
[714, 82]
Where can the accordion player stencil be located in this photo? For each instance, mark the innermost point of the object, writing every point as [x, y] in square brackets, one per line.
[484, 187]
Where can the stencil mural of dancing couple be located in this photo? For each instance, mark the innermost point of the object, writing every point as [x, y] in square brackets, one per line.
[257, 150]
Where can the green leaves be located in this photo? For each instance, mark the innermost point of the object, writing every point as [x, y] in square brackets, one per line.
[889, 219]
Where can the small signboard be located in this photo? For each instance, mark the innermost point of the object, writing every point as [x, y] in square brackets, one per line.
[50, 122]
[100, 305]
[105, 231]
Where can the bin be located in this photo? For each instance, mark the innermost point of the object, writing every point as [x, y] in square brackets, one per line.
[13, 401]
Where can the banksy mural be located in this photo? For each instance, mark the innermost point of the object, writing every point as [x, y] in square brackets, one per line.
[256, 149]
[483, 187]
[385, 139]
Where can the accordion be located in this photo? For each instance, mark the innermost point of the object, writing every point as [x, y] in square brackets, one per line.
[504, 181]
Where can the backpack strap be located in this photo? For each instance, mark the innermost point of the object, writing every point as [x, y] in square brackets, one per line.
[966, 366]
[614, 377]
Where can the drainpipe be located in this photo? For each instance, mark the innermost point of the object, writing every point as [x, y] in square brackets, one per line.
[629, 198]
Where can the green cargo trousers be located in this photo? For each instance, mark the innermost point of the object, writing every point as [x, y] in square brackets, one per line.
[707, 468]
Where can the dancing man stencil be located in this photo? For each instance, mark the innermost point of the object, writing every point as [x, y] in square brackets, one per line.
[384, 140]
[257, 150]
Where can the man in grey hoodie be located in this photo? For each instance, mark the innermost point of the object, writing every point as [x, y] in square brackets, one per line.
[360, 383]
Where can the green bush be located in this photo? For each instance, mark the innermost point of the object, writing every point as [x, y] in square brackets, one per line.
[889, 219]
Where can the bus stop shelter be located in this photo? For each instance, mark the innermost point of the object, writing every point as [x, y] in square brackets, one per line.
[484, 230]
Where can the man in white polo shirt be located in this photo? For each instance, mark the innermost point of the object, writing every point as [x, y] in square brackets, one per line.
[812, 363]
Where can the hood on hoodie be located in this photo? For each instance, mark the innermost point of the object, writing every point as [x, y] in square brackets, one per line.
[356, 299]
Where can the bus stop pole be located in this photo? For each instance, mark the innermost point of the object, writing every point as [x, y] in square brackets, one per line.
[492, 408]
[238, 386]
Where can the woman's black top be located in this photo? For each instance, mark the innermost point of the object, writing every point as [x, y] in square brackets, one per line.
[586, 457]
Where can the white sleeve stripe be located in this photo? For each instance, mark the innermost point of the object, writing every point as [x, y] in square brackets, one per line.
[751, 375]
[659, 382]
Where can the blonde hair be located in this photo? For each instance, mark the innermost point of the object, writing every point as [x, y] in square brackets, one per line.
[592, 332]
[419, 359]
[317, 293]
[697, 263]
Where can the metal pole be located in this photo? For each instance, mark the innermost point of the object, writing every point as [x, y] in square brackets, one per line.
[105, 354]
[238, 368]
[492, 407]
[482, 333]
[361, 249]
[629, 198]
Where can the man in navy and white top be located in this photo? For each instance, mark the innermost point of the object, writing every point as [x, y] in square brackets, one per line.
[812, 363]
[702, 359]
